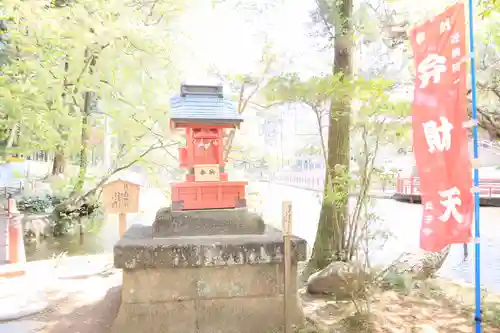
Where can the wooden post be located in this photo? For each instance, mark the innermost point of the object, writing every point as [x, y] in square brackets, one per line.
[123, 223]
[287, 261]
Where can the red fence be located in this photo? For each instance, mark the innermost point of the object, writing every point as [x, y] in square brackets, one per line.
[488, 188]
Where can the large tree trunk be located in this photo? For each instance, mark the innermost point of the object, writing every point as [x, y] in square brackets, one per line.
[83, 165]
[329, 244]
[10, 140]
[59, 162]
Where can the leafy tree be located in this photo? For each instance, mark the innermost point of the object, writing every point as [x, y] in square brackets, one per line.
[69, 57]
[368, 123]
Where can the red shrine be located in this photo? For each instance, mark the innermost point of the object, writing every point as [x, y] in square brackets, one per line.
[203, 113]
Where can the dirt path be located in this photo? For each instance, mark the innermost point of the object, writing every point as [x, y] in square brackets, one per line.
[90, 305]
[92, 309]
[435, 310]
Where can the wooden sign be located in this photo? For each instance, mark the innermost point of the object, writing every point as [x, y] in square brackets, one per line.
[121, 196]
[207, 173]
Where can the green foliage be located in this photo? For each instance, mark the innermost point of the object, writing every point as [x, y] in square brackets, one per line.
[68, 217]
[375, 120]
[39, 204]
[489, 7]
[120, 51]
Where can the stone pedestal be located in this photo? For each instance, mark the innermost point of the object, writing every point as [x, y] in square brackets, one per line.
[230, 283]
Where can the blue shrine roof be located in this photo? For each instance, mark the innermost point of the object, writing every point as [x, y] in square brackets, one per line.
[203, 106]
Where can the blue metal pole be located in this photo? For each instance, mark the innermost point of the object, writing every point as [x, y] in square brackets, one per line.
[477, 232]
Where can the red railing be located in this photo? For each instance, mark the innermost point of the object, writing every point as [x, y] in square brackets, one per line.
[488, 188]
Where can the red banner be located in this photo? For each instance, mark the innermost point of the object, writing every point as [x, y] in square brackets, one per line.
[439, 137]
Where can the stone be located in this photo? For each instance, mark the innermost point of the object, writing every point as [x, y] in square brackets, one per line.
[139, 249]
[204, 283]
[207, 222]
[420, 265]
[344, 280]
[37, 224]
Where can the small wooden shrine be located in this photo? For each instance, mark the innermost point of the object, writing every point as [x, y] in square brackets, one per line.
[203, 113]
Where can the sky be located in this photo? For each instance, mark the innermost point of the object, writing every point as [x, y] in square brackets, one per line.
[233, 41]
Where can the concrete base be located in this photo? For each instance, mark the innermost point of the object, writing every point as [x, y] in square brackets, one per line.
[239, 221]
[204, 284]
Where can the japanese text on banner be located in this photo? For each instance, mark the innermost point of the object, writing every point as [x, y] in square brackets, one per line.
[440, 141]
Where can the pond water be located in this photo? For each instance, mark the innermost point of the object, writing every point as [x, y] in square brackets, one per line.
[402, 220]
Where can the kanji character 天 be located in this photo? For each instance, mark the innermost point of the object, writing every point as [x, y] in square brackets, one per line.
[452, 200]
[438, 138]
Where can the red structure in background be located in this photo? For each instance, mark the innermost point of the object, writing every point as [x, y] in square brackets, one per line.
[203, 114]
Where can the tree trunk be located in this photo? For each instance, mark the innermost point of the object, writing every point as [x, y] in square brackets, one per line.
[82, 173]
[59, 162]
[10, 140]
[329, 244]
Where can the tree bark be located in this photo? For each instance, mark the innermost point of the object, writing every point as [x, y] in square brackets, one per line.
[83, 165]
[10, 140]
[329, 244]
[59, 162]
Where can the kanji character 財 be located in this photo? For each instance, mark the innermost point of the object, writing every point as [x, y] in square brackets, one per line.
[431, 67]
[438, 138]
[452, 200]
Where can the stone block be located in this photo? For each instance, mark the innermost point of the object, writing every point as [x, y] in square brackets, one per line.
[178, 284]
[239, 281]
[169, 317]
[204, 283]
[244, 315]
[207, 222]
[159, 285]
[137, 249]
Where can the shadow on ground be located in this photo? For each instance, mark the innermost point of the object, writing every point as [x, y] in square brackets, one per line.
[96, 317]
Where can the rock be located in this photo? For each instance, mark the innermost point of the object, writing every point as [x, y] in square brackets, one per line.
[37, 225]
[345, 280]
[419, 265]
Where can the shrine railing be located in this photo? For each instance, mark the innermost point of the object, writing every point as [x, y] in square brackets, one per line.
[488, 188]
[314, 181]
